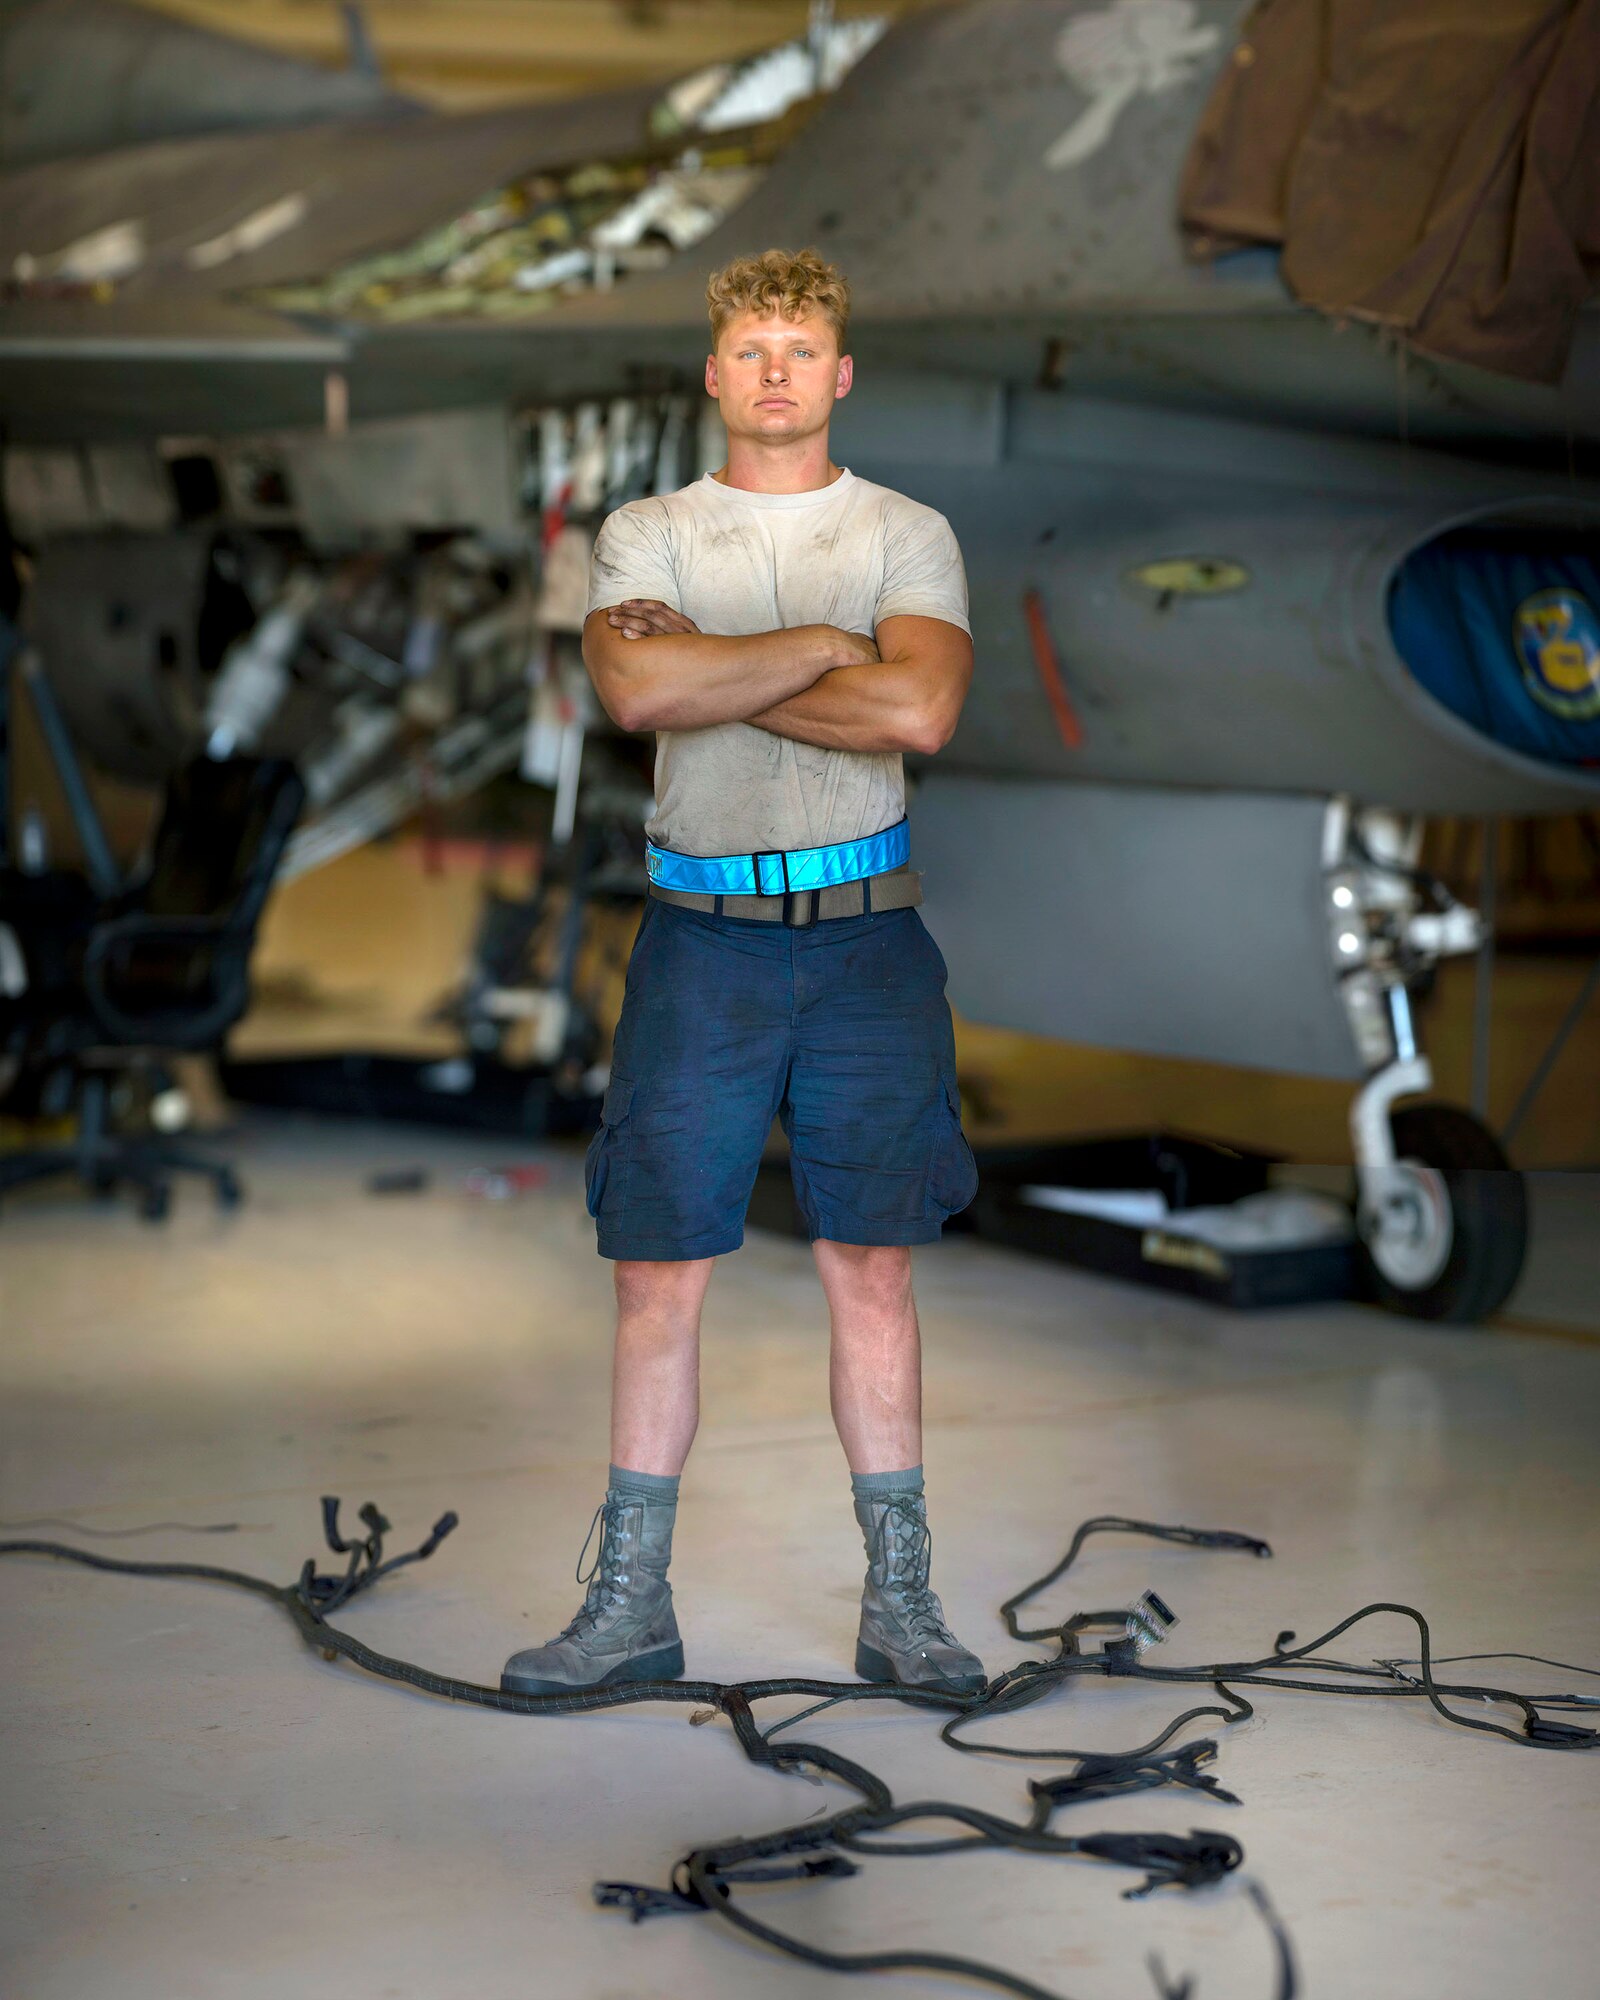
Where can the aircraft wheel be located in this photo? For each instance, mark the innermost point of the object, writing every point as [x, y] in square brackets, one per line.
[1451, 1237]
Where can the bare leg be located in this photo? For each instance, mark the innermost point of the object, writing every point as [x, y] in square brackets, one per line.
[655, 1377]
[875, 1362]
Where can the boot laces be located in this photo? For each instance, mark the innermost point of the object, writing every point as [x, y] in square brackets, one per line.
[904, 1545]
[608, 1575]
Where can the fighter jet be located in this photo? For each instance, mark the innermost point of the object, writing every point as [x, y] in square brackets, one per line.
[1225, 551]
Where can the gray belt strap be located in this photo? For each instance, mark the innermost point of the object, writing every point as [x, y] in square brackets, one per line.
[898, 889]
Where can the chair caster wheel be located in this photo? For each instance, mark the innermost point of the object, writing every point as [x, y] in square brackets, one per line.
[156, 1203]
[230, 1191]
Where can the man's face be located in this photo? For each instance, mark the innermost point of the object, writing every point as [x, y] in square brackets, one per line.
[777, 378]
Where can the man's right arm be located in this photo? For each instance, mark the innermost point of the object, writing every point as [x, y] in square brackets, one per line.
[674, 676]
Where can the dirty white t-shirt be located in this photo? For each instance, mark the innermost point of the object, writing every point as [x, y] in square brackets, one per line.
[849, 554]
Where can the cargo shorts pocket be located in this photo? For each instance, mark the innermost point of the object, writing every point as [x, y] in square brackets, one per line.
[607, 1158]
[953, 1178]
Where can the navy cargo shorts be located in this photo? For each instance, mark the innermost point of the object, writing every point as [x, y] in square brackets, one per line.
[839, 1028]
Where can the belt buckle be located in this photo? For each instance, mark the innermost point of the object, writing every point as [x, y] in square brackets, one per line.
[770, 854]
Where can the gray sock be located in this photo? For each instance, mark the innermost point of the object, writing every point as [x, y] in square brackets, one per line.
[661, 1487]
[905, 1485]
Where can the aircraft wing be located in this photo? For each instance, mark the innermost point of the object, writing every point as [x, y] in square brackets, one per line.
[87, 76]
[999, 178]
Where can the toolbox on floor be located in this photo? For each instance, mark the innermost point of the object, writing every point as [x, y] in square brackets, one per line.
[1184, 1214]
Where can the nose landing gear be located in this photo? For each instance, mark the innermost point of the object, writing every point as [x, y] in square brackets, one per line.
[1441, 1212]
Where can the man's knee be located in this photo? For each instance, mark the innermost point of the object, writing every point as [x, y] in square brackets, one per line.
[670, 1291]
[868, 1275]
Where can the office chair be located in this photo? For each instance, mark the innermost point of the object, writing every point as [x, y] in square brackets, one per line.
[108, 984]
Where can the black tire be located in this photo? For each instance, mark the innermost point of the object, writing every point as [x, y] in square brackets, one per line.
[1489, 1215]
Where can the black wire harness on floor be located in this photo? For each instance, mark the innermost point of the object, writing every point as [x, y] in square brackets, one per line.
[704, 1881]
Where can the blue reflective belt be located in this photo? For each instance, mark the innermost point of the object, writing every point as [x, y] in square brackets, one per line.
[777, 873]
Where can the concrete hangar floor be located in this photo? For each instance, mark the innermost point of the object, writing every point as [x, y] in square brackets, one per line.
[198, 1805]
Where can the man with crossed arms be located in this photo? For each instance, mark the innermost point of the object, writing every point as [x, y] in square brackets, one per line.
[788, 630]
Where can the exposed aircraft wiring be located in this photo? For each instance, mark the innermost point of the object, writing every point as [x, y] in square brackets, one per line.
[1423, 880]
[1568, 1699]
[705, 1879]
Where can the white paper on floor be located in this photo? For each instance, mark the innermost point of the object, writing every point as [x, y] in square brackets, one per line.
[1275, 1219]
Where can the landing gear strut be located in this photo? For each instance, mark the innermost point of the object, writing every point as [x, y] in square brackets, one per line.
[1441, 1212]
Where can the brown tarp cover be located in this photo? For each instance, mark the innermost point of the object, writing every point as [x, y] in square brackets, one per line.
[1430, 164]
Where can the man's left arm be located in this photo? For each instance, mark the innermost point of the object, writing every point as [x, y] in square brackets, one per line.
[909, 700]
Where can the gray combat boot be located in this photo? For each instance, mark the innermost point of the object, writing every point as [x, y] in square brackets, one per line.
[903, 1634]
[626, 1630]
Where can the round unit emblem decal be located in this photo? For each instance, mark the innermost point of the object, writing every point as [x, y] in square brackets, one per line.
[1557, 637]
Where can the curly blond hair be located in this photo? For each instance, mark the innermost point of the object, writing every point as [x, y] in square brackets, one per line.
[794, 283]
